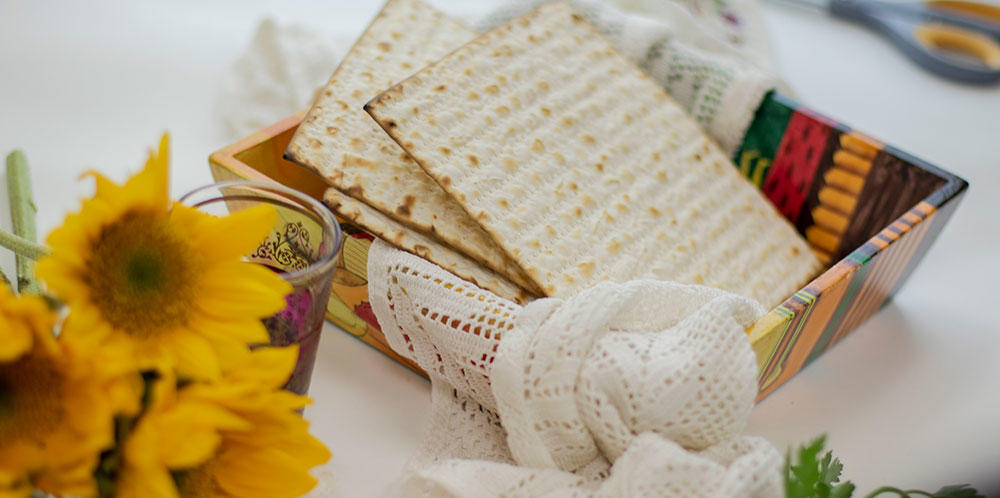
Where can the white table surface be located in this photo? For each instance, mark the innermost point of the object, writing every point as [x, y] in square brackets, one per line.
[912, 398]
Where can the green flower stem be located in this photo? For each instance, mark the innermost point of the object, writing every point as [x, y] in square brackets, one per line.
[22, 212]
[22, 246]
[898, 492]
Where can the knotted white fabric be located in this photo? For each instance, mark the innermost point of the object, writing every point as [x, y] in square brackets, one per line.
[636, 389]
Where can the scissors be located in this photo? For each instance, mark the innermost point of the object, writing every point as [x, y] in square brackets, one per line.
[954, 39]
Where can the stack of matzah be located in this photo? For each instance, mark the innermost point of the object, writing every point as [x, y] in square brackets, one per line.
[536, 160]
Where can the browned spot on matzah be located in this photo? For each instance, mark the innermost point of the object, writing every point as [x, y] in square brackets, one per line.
[545, 111]
[503, 203]
[350, 161]
[444, 150]
[405, 208]
[653, 211]
[503, 51]
[614, 245]
[509, 164]
[440, 88]
[355, 191]
[315, 144]
[538, 146]
[422, 251]
[492, 89]
[356, 94]
[568, 121]
[502, 110]
[588, 139]
[332, 130]
[343, 105]
[473, 160]
[599, 167]
[661, 175]
[384, 46]
[473, 96]
[587, 267]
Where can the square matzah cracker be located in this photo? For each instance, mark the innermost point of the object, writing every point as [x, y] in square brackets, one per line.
[583, 169]
[338, 140]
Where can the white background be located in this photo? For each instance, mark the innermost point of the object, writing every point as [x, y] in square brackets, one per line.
[912, 398]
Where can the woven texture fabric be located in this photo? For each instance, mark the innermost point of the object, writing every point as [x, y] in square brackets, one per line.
[638, 389]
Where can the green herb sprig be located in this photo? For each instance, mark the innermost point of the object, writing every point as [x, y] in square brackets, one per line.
[810, 476]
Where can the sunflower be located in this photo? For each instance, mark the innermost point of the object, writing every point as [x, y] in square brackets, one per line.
[239, 436]
[164, 279]
[57, 407]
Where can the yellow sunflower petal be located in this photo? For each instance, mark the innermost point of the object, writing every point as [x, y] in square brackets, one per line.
[103, 187]
[193, 354]
[22, 491]
[249, 471]
[238, 234]
[243, 332]
[152, 183]
[235, 288]
[14, 341]
[145, 483]
[268, 366]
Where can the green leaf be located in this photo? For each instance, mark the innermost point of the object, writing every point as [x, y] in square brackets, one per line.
[814, 477]
[830, 468]
[844, 490]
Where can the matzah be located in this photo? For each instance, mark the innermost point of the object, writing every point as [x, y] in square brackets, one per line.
[413, 242]
[583, 169]
[340, 141]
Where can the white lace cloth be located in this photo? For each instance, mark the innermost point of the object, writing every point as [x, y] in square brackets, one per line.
[636, 389]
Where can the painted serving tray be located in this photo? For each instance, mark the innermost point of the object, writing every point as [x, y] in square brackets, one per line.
[868, 210]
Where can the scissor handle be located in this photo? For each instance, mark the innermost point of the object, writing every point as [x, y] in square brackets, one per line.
[975, 10]
[922, 34]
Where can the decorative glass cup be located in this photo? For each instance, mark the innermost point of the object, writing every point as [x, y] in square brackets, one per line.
[302, 247]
